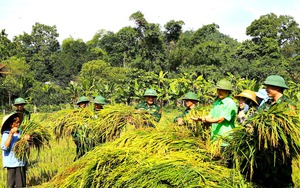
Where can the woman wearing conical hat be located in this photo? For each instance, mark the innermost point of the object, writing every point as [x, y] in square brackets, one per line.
[16, 174]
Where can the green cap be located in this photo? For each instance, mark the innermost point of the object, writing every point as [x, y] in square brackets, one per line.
[150, 93]
[275, 80]
[224, 85]
[83, 99]
[19, 101]
[99, 100]
[190, 96]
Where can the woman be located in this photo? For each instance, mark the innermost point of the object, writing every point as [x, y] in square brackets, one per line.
[247, 105]
[16, 173]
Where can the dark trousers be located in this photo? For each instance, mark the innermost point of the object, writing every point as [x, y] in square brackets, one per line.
[16, 177]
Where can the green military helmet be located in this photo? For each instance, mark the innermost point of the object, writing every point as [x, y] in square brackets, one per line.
[99, 100]
[82, 99]
[150, 93]
[19, 101]
[191, 96]
[224, 85]
[275, 80]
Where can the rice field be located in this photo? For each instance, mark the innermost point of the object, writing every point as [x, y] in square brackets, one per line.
[165, 156]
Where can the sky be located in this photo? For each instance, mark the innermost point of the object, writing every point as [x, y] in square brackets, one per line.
[83, 19]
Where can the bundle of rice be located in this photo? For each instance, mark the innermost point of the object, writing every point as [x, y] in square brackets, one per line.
[114, 119]
[198, 129]
[274, 139]
[39, 138]
[147, 158]
[93, 128]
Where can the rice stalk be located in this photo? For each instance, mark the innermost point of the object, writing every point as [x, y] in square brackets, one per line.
[39, 138]
[147, 159]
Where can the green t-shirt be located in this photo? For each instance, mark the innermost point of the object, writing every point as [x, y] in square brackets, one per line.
[153, 109]
[227, 109]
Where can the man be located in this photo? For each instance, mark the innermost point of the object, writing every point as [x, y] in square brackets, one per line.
[99, 101]
[278, 174]
[20, 103]
[77, 135]
[150, 104]
[190, 100]
[222, 115]
[83, 102]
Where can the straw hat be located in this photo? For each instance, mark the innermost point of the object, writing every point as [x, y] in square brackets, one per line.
[5, 126]
[247, 94]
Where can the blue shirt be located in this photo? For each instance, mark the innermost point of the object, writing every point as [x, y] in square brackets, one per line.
[8, 155]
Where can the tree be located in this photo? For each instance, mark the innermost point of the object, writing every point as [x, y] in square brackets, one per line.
[38, 48]
[19, 80]
[6, 46]
[173, 30]
[68, 62]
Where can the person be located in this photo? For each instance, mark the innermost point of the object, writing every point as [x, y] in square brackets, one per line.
[82, 102]
[261, 97]
[222, 115]
[99, 101]
[277, 174]
[16, 172]
[190, 100]
[150, 104]
[77, 134]
[247, 105]
[20, 103]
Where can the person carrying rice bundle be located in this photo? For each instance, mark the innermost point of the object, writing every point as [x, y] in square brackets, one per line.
[16, 172]
[277, 173]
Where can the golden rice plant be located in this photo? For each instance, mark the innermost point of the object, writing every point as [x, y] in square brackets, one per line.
[39, 138]
[274, 139]
[90, 128]
[198, 129]
[147, 158]
[114, 119]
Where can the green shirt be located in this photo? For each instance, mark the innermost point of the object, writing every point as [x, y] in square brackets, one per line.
[26, 114]
[227, 109]
[153, 109]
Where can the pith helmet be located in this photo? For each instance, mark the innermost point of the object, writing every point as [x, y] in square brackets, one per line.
[247, 94]
[99, 100]
[275, 80]
[19, 101]
[5, 126]
[190, 96]
[224, 85]
[82, 99]
[150, 93]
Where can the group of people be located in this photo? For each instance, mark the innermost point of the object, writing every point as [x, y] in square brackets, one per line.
[223, 117]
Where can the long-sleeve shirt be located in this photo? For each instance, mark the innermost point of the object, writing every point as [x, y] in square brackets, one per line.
[8, 155]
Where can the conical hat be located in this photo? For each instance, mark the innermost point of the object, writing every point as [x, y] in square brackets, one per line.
[7, 118]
